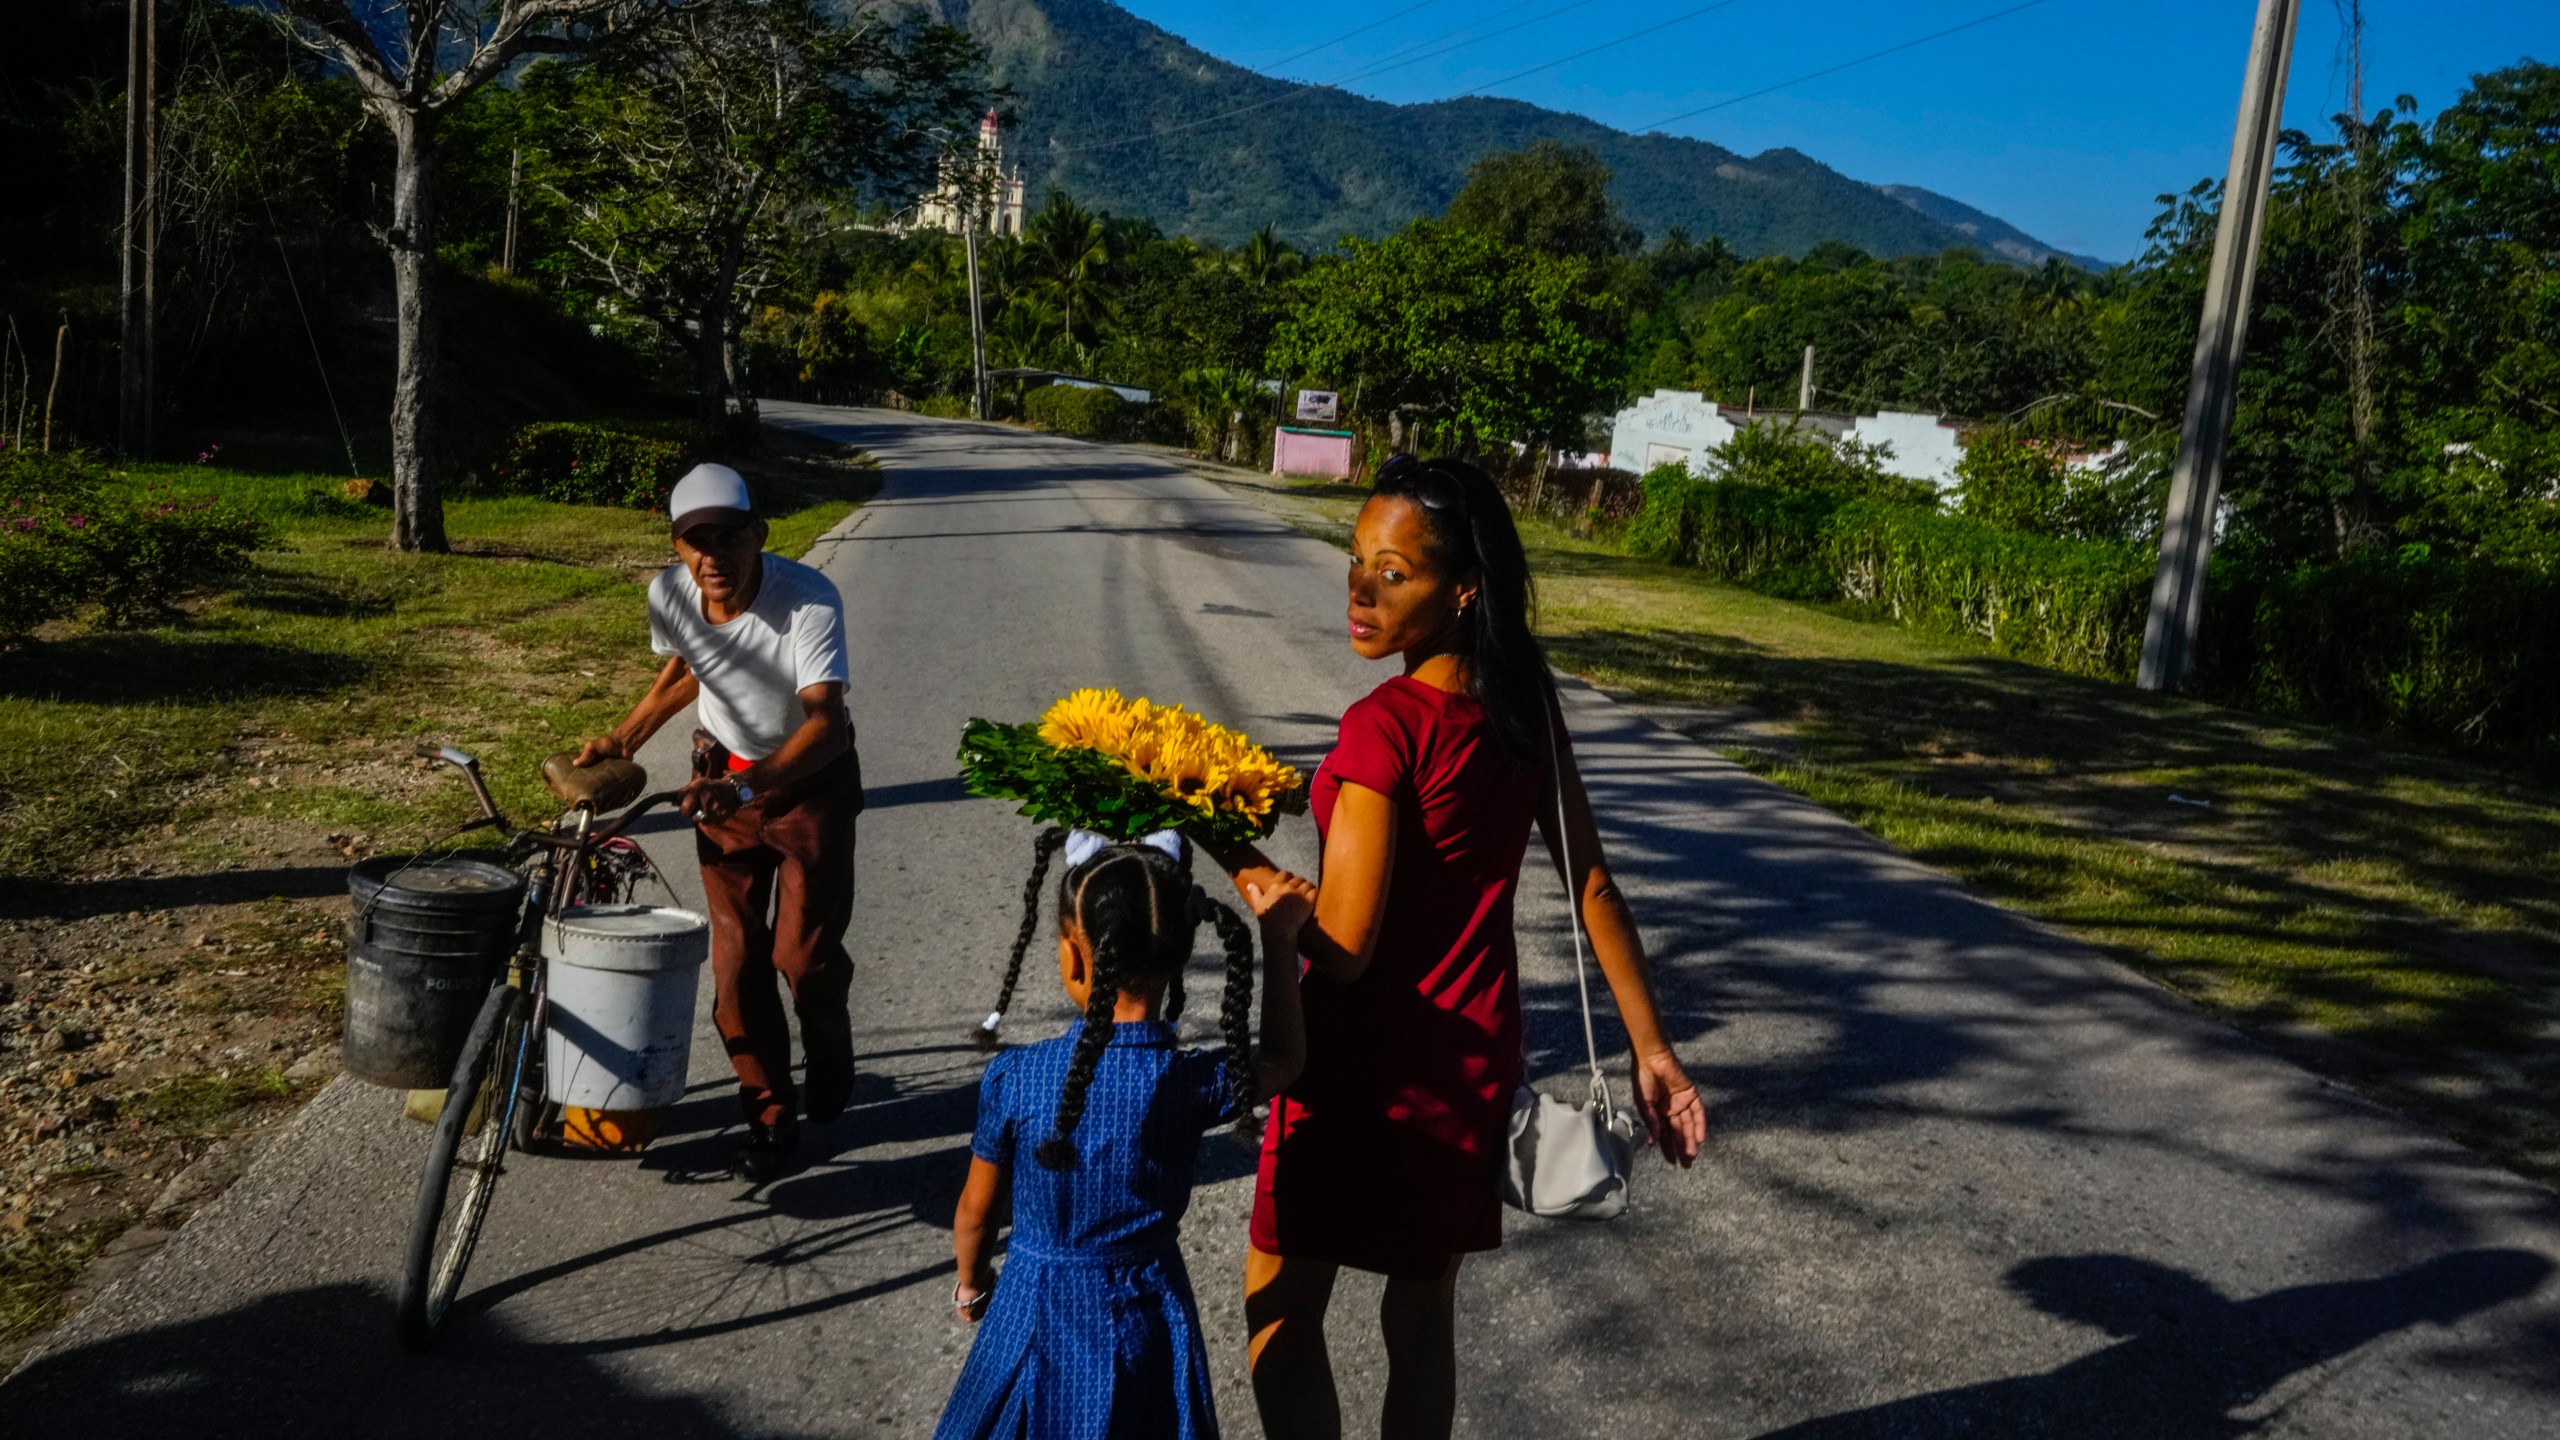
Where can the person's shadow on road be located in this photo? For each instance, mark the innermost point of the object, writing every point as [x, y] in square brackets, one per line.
[2186, 1356]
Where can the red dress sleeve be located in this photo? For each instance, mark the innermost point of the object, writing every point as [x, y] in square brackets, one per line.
[1373, 750]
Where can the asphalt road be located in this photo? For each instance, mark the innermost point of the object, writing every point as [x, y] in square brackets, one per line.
[1967, 1177]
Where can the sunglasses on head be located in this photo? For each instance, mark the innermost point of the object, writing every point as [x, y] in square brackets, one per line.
[1409, 472]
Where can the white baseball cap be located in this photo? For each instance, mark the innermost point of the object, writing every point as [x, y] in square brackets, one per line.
[709, 495]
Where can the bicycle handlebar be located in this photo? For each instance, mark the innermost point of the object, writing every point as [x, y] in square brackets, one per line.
[469, 765]
[611, 831]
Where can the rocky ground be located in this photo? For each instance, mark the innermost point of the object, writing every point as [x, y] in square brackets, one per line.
[153, 1025]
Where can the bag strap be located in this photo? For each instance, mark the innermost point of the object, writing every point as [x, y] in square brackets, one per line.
[1573, 912]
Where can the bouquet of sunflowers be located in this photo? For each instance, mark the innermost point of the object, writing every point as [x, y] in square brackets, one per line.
[1128, 768]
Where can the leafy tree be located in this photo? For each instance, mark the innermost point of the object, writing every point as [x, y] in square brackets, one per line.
[1479, 342]
[691, 161]
[414, 61]
[1547, 196]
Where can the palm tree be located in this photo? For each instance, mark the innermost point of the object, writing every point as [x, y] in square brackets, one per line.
[1069, 249]
[1266, 259]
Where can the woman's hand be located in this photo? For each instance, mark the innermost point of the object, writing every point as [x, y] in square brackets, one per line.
[1674, 1113]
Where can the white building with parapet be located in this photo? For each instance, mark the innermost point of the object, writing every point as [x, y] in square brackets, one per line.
[1681, 427]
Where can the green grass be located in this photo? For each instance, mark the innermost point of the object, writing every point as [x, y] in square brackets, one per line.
[2391, 909]
[198, 1104]
[330, 660]
[35, 1271]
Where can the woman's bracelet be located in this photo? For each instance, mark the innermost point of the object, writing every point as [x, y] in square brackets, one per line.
[976, 1302]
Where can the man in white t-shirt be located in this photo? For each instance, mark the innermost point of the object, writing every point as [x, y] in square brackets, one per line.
[756, 643]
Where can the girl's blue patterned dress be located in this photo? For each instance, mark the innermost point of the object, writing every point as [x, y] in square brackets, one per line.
[1093, 1332]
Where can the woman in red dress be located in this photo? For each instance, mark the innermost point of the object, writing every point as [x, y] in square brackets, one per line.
[1386, 1154]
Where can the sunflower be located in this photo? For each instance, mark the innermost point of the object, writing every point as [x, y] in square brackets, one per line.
[1173, 767]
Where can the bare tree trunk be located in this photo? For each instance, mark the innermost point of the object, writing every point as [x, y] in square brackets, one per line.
[714, 373]
[417, 501]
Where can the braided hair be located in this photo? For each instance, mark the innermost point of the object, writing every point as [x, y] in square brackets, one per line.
[1043, 850]
[1137, 909]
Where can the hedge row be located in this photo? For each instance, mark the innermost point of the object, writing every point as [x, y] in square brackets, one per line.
[583, 464]
[70, 539]
[2055, 602]
[1088, 413]
[2405, 641]
[2402, 641]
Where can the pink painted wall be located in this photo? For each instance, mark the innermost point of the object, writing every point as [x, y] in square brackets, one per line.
[1311, 452]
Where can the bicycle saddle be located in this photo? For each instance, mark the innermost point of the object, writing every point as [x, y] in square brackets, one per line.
[605, 785]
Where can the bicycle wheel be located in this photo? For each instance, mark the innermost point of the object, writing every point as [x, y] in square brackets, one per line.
[464, 1161]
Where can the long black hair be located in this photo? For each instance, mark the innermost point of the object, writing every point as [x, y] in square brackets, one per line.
[1138, 909]
[1472, 534]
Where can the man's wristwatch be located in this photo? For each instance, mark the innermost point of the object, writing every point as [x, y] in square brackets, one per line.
[746, 792]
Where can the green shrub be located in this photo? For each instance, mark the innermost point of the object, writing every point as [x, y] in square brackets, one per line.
[72, 537]
[944, 407]
[576, 463]
[2407, 641]
[2069, 604]
[1771, 454]
[2014, 481]
[1085, 412]
[1665, 524]
[2073, 605]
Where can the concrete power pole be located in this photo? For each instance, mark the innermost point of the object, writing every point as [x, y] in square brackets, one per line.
[515, 176]
[2195, 485]
[138, 278]
[975, 199]
[1804, 387]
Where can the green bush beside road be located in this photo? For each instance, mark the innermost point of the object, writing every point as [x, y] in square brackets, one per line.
[577, 463]
[1086, 413]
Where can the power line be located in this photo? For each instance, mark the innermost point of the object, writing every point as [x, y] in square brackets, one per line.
[1843, 65]
[1345, 35]
[1596, 49]
[1382, 67]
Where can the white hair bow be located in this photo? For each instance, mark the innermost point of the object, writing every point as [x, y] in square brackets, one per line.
[1083, 845]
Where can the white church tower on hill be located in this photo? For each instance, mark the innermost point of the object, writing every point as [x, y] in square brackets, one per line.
[1000, 210]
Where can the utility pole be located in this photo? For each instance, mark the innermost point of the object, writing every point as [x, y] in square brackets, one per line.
[977, 327]
[1804, 387]
[515, 174]
[2195, 485]
[972, 200]
[138, 277]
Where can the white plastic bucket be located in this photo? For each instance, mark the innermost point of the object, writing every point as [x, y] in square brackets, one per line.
[622, 986]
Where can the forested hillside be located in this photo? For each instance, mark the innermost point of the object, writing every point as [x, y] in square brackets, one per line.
[1129, 118]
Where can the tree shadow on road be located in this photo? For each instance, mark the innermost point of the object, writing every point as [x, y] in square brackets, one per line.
[2186, 1356]
[322, 1361]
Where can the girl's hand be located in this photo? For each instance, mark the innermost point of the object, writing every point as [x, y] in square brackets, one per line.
[969, 1301]
[1280, 900]
[1674, 1113]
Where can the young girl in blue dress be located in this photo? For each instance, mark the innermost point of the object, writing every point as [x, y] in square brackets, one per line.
[1093, 1331]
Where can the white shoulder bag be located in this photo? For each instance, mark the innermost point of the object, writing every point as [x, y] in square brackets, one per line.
[1569, 1162]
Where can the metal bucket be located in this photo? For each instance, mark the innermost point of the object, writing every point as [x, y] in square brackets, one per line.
[622, 986]
[425, 943]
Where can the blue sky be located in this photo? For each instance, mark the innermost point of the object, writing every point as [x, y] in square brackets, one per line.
[2065, 119]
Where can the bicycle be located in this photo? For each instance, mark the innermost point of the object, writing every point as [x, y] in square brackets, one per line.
[495, 1099]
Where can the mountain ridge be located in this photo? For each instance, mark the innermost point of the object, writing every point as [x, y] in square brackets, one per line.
[1131, 118]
